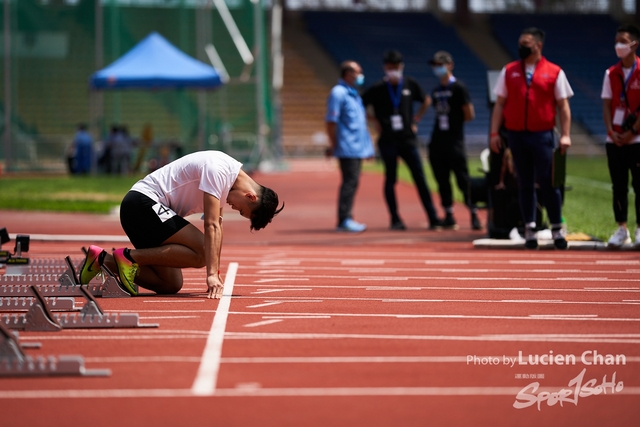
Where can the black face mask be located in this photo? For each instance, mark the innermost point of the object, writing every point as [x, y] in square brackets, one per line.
[524, 51]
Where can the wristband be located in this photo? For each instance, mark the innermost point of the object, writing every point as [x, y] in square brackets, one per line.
[494, 134]
[610, 132]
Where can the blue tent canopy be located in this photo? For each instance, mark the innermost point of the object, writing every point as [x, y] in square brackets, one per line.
[154, 63]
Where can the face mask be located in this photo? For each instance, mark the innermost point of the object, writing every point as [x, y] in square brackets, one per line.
[360, 80]
[440, 71]
[524, 51]
[622, 49]
[394, 74]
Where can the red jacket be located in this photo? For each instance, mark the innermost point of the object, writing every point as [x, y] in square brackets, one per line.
[616, 77]
[531, 108]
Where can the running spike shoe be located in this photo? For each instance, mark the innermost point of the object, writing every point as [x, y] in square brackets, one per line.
[92, 264]
[127, 270]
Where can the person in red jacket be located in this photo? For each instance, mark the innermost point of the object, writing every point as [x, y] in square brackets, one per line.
[620, 111]
[529, 93]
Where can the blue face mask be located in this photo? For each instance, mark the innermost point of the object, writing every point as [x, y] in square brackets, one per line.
[440, 71]
[360, 80]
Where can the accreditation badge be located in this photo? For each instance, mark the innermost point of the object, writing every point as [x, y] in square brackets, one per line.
[443, 122]
[396, 122]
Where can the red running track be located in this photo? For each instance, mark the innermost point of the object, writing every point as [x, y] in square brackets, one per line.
[383, 328]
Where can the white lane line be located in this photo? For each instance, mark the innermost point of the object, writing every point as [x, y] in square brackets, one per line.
[262, 323]
[205, 382]
[515, 279]
[489, 338]
[191, 300]
[283, 392]
[362, 262]
[464, 289]
[421, 300]
[169, 317]
[268, 303]
[278, 279]
[443, 316]
[267, 291]
[311, 316]
[564, 315]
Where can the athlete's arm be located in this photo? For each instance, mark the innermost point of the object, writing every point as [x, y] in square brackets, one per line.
[213, 244]
[468, 112]
[565, 124]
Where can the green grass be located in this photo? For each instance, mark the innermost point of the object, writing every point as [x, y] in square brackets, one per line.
[97, 194]
[587, 206]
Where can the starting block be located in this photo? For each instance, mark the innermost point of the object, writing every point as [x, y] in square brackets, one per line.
[40, 318]
[14, 363]
[25, 303]
[64, 285]
[16, 264]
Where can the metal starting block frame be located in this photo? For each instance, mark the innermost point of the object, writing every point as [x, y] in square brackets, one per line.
[25, 303]
[14, 363]
[66, 284]
[40, 318]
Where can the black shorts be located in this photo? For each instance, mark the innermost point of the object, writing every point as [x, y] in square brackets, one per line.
[147, 223]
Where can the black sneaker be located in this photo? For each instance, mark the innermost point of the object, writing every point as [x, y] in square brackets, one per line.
[435, 224]
[531, 238]
[559, 239]
[450, 222]
[475, 222]
[397, 225]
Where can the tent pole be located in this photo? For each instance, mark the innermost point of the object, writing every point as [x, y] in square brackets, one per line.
[260, 75]
[7, 86]
[96, 97]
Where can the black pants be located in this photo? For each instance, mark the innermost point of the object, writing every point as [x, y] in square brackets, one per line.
[446, 157]
[533, 159]
[350, 169]
[621, 160]
[409, 153]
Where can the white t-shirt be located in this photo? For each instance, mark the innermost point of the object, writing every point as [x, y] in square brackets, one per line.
[180, 184]
[562, 89]
[607, 94]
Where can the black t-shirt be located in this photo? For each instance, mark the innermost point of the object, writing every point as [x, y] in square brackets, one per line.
[380, 97]
[448, 101]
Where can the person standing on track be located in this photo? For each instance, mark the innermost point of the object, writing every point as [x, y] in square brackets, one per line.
[529, 91]
[620, 108]
[392, 100]
[349, 140]
[152, 215]
[447, 152]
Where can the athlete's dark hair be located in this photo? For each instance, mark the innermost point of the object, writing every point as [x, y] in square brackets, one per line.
[537, 33]
[633, 31]
[266, 210]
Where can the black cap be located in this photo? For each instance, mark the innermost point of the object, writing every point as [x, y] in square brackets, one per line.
[441, 57]
[392, 57]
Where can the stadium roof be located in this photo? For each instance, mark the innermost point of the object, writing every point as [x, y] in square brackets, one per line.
[154, 63]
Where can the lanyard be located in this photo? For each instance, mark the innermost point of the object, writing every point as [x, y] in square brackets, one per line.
[441, 96]
[396, 96]
[625, 83]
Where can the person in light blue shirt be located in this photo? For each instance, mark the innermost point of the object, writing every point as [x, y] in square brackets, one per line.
[349, 139]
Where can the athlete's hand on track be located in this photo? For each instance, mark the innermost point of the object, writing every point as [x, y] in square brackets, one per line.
[215, 286]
